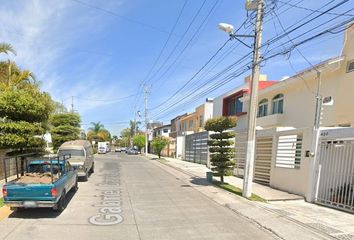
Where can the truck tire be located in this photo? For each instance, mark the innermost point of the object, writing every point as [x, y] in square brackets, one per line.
[61, 203]
[76, 186]
[85, 178]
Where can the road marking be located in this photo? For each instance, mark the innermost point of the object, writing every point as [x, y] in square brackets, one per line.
[110, 208]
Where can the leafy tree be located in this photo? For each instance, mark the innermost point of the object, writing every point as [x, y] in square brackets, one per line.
[220, 145]
[66, 127]
[24, 108]
[24, 115]
[159, 143]
[139, 141]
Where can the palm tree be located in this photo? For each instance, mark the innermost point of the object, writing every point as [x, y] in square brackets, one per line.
[98, 132]
[13, 76]
[7, 48]
[96, 127]
[134, 126]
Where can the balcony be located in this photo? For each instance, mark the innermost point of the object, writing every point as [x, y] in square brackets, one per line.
[272, 120]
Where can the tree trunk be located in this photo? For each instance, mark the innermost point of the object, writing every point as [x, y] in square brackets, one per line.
[222, 177]
[159, 154]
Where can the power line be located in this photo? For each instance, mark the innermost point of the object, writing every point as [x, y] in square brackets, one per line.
[119, 15]
[201, 69]
[315, 11]
[274, 39]
[158, 58]
[167, 40]
[208, 61]
[229, 78]
[108, 99]
[244, 24]
[270, 41]
[227, 53]
[289, 61]
[180, 40]
[188, 43]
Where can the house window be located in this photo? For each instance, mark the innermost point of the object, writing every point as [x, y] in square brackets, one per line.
[165, 130]
[263, 108]
[234, 106]
[277, 104]
[185, 126]
[190, 123]
[350, 66]
[201, 121]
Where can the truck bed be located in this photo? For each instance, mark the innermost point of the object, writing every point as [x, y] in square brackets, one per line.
[35, 178]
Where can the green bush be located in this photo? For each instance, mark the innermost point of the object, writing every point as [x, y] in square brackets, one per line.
[220, 147]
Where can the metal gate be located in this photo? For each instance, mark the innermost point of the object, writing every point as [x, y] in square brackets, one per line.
[263, 160]
[336, 173]
[196, 146]
[240, 153]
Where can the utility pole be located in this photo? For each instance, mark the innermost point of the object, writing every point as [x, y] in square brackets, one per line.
[62, 106]
[252, 113]
[146, 93]
[318, 102]
[72, 104]
[315, 139]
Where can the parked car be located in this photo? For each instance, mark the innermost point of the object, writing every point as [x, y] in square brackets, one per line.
[132, 151]
[44, 185]
[81, 159]
[118, 150]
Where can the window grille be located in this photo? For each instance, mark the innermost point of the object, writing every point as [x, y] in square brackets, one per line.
[289, 151]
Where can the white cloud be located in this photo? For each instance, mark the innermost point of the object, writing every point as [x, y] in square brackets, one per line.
[47, 35]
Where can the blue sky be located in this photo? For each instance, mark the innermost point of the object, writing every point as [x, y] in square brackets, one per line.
[101, 51]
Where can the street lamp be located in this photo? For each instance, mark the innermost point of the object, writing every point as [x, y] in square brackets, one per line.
[257, 5]
[228, 28]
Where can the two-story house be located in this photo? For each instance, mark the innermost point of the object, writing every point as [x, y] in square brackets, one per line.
[284, 161]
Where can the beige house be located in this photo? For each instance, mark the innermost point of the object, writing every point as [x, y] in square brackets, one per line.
[285, 122]
[292, 102]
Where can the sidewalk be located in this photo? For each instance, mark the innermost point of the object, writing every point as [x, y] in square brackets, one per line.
[288, 216]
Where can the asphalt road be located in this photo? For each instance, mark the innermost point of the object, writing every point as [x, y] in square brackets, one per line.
[129, 197]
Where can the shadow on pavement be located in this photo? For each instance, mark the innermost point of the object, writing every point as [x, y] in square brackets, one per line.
[200, 181]
[35, 213]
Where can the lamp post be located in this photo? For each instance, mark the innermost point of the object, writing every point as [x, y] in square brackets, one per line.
[257, 5]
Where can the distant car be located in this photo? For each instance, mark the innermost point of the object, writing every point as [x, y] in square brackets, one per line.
[132, 151]
[118, 150]
[102, 150]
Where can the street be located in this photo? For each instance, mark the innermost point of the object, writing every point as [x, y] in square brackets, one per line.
[130, 197]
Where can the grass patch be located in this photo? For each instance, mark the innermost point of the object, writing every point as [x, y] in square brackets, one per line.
[237, 191]
[1, 202]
